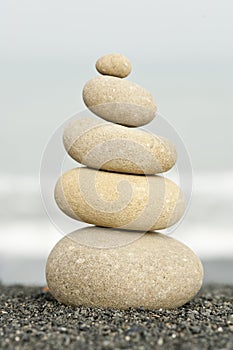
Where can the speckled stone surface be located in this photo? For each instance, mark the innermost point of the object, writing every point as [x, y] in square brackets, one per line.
[119, 101]
[118, 148]
[109, 199]
[114, 64]
[154, 271]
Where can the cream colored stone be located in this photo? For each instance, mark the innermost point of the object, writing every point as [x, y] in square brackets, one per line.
[108, 199]
[114, 64]
[117, 148]
[154, 271]
[119, 101]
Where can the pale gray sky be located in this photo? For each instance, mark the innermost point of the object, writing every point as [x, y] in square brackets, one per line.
[152, 28]
[182, 51]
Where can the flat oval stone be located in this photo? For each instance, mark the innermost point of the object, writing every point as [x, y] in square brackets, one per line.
[153, 271]
[119, 101]
[108, 199]
[114, 64]
[113, 147]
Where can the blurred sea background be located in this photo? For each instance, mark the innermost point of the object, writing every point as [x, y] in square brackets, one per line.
[182, 52]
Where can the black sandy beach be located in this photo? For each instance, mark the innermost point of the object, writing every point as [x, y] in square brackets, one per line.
[31, 319]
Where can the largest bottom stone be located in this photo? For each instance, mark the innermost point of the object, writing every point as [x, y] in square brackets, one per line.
[149, 270]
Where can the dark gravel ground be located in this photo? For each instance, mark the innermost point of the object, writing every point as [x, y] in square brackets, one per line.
[32, 319]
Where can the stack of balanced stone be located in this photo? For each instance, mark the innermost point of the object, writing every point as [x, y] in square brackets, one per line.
[120, 262]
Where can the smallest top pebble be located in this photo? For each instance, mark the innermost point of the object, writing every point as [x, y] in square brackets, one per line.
[114, 64]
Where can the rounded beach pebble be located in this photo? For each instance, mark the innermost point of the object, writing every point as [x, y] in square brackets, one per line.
[152, 272]
[108, 199]
[119, 101]
[113, 147]
[114, 64]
